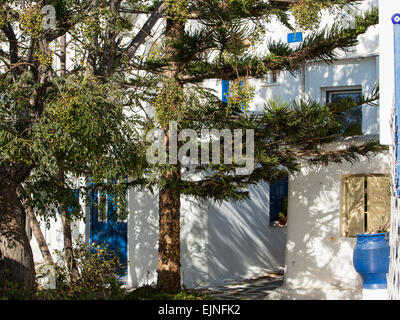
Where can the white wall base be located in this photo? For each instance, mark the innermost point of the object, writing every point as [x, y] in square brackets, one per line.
[377, 294]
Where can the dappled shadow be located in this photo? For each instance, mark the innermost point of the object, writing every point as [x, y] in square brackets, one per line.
[218, 243]
[241, 242]
[317, 257]
[142, 237]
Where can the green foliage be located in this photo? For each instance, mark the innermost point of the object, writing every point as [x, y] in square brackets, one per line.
[150, 292]
[307, 13]
[177, 10]
[241, 93]
[168, 103]
[98, 279]
[31, 20]
[78, 123]
[10, 290]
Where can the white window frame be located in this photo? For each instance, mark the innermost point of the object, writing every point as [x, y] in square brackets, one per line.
[272, 79]
[327, 91]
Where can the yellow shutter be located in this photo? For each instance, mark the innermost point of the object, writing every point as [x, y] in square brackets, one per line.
[354, 204]
[378, 202]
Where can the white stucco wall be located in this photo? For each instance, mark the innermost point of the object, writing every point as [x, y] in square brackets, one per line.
[219, 243]
[316, 255]
[54, 234]
[241, 243]
[386, 10]
[234, 240]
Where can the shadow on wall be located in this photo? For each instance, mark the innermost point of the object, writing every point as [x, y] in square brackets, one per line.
[142, 237]
[218, 243]
[194, 216]
[241, 244]
[343, 73]
[316, 255]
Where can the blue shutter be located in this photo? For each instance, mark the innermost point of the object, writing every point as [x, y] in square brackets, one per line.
[225, 90]
[396, 32]
[295, 37]
[277, 192]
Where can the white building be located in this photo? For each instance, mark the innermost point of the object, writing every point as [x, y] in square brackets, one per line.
[221, 243]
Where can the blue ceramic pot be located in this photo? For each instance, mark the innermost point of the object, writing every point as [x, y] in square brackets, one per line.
[371, 259]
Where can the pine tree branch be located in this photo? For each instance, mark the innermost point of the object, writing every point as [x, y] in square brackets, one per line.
[12, 41]
[63, 27]
[320, 46]
[144, 32]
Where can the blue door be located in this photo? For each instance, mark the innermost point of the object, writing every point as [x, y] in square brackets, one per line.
[107, 226]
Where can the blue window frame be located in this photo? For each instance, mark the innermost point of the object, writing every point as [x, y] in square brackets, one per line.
[225, 90]
[278, 197]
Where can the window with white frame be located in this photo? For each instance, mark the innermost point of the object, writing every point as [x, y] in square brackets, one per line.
[271, 79]
[351, 120]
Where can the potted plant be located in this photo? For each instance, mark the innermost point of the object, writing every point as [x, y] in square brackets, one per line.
[282, 216]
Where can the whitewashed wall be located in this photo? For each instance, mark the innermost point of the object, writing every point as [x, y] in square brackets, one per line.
[316, 255]
[234, 240]
[54, 235]
[219, 243]
[386, 10]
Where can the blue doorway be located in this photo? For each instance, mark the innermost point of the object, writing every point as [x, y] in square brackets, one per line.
[108, 226]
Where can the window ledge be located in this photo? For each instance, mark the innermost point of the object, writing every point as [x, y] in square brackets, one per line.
[266, 85]
[277, 225]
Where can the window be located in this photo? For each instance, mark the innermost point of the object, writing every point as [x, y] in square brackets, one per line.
[102, 206]
[278, 199]
[120, 203]
[272, 78]
[111, 206]
[365, 204]
[350, 120]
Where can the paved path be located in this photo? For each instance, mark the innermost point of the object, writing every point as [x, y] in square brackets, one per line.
[270, 287]
[252, 289]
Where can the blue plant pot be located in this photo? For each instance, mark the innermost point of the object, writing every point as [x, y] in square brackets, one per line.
[371, 259]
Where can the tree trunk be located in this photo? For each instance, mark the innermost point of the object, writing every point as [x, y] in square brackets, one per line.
[68, 243]
[16, 258]
[37, 232]
[63, 55]
[35, 226]
[169, 266]
[68, 246]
